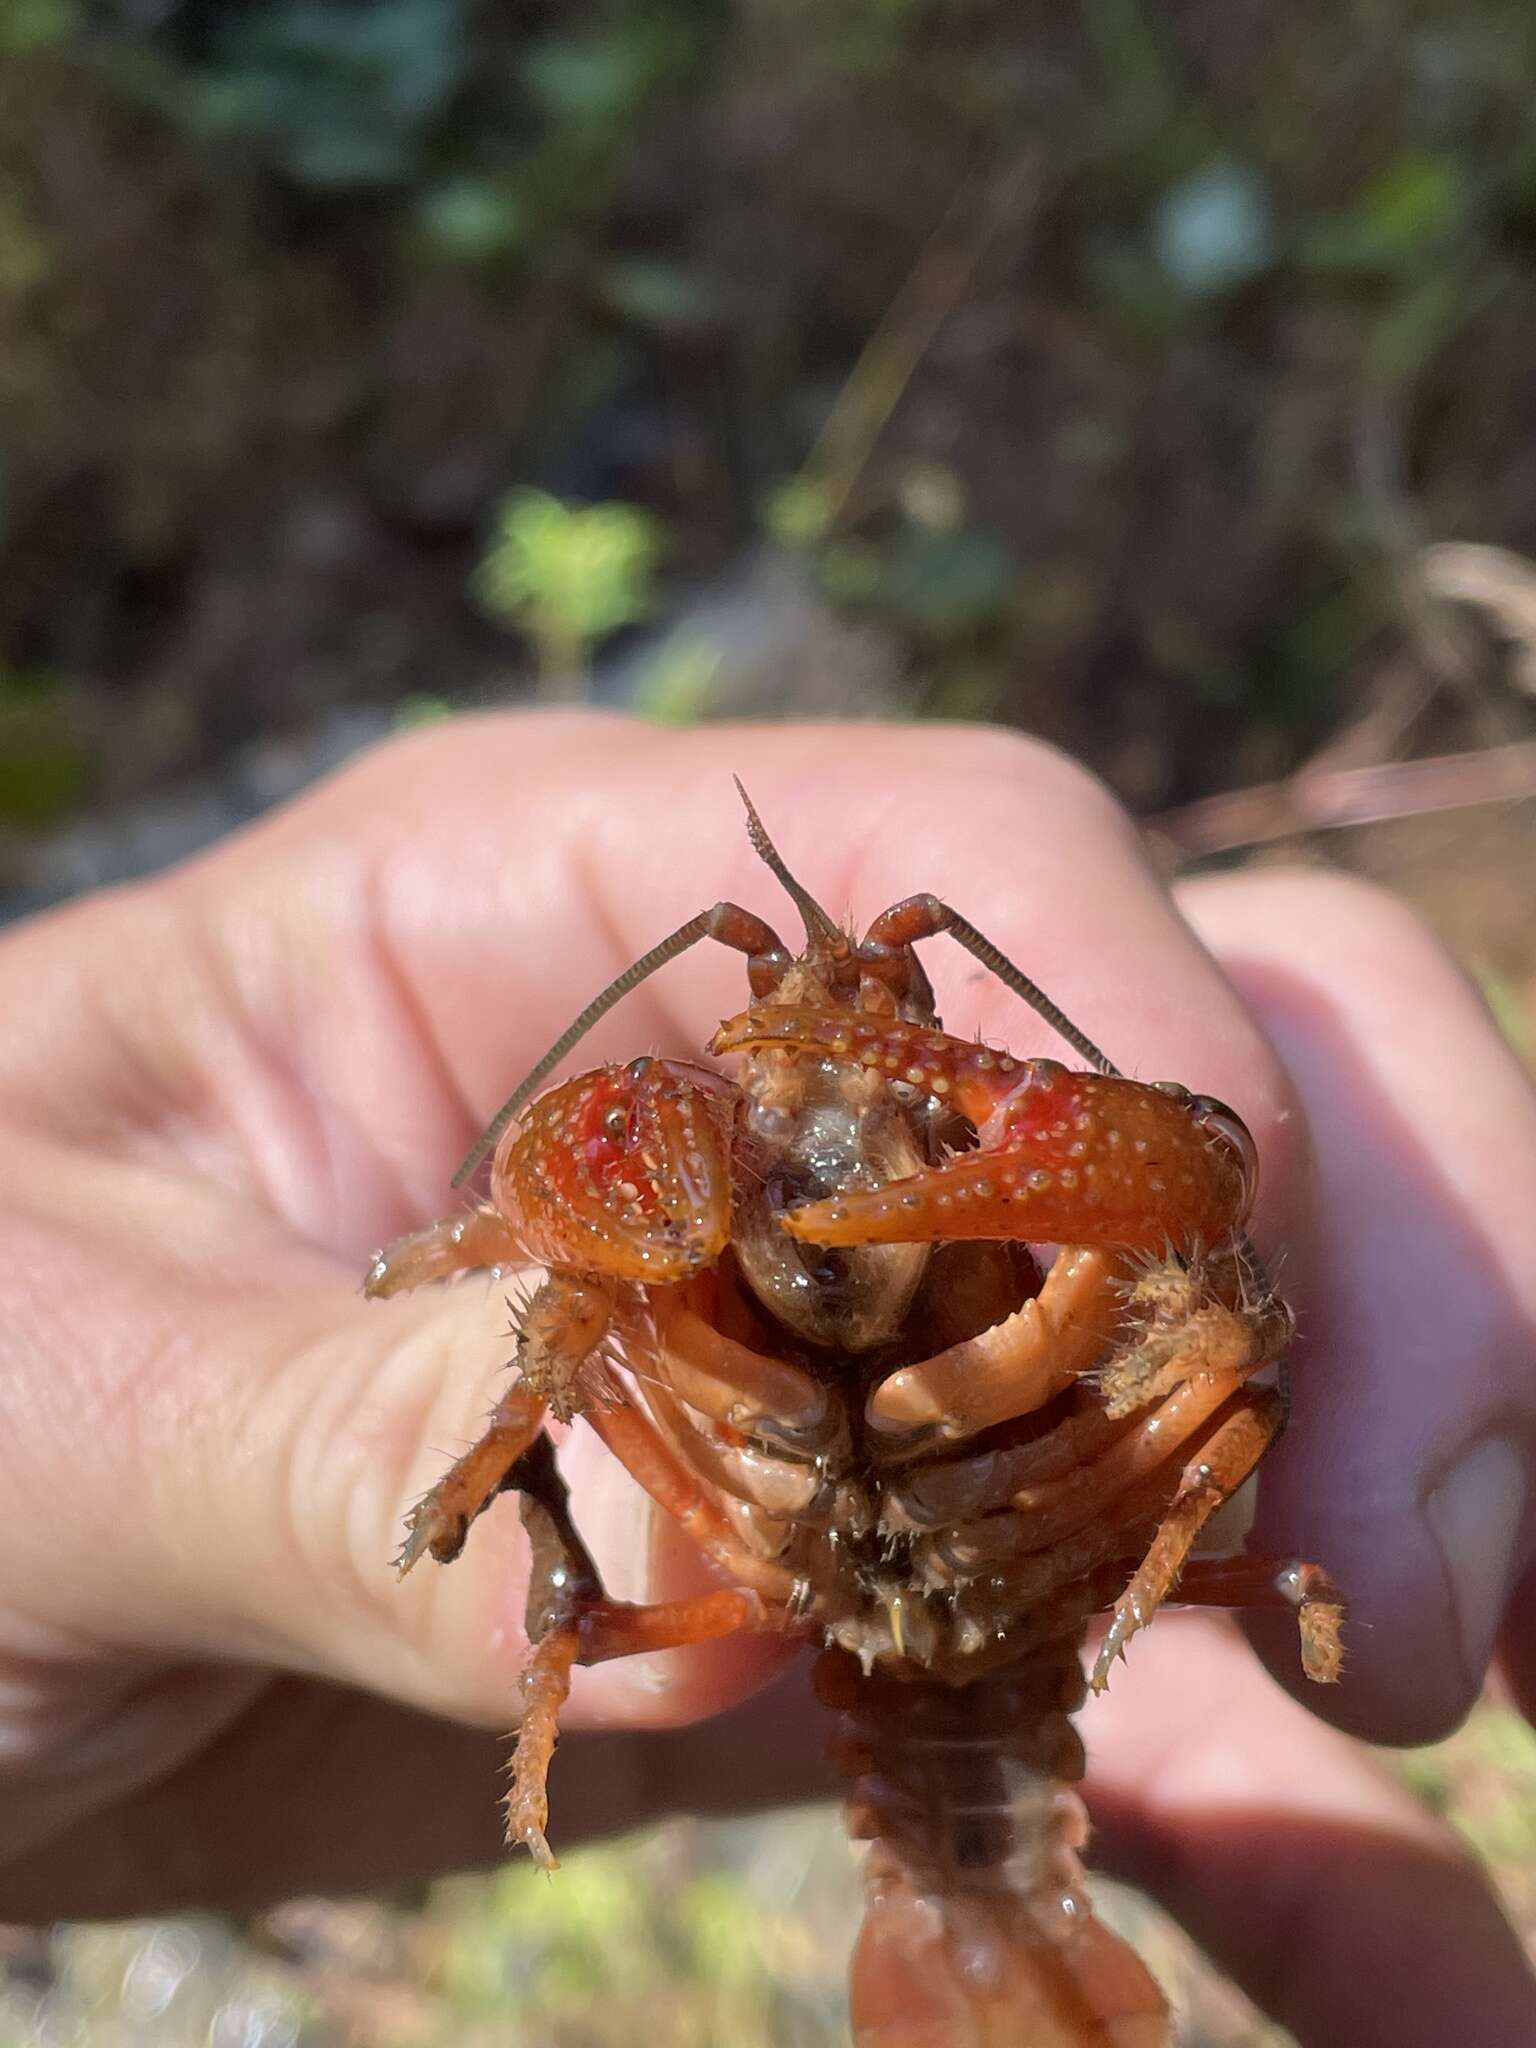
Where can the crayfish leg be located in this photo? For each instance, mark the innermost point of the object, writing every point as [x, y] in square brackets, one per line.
[1269, 1582]
[653, 1464]
[600, 1629]
[439, 1522]
[1215, 1472]
[558, 1330]
[479, 1239]
[571, 1621]
[1012, 1369]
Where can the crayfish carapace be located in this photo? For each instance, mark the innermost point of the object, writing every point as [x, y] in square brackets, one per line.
[807, 1309]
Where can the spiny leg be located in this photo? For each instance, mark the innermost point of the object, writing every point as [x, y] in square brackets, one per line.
[1212, 1475]
[562, 1580]
[1202, 1352]
[470, 1243]
[639, 1447]
[1192, 1314]
[1013, 1589]
[1189, 1319]
[1054, 1509]
[557, 1333]
[440, 1520]
[1270, 1582]
[570, 1621]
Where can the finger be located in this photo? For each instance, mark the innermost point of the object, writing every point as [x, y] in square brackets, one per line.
[338, 998]
[310, 1010]
[1407, 1466]
[1295, 1859]
[360, 1794]
[230, 1482]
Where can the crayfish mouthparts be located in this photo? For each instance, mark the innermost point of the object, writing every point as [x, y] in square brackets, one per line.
[801, 1308]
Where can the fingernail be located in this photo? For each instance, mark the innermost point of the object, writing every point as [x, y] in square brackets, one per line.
[1477, 1512]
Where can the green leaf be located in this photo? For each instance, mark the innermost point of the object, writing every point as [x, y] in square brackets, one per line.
[681, 683]
[568, 573]
[587, 78]
[422, 709]
[1509, 1012]
[1418, 199]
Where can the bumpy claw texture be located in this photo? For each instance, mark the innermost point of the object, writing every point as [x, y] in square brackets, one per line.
[625, 1171]
[1062, 1157]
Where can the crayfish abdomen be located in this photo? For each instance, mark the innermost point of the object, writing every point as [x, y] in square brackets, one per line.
[805, 1309]
[977, 1929]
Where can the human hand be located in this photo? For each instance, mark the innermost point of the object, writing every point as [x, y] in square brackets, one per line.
[220, 1091]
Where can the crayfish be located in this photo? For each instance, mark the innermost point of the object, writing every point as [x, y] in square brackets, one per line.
[937, 1353]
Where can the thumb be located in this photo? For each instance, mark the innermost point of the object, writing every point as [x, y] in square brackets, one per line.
[231, 1484]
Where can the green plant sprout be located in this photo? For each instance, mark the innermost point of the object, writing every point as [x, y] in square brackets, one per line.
[566, 576]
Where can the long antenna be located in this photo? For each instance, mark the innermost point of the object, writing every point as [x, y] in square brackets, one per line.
[818, 926]
[685, 936]
[996, 961]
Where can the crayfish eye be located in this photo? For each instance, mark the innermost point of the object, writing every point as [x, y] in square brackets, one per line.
[616, 1121]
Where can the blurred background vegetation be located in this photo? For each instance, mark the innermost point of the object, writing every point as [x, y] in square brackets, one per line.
[1153, 376]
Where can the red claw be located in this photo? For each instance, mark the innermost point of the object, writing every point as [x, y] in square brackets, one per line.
[1061, 1158]
[623, 1171]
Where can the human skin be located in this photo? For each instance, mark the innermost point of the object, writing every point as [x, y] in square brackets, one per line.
[220, 1090]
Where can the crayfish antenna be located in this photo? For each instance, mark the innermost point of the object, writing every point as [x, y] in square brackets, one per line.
[820, 929]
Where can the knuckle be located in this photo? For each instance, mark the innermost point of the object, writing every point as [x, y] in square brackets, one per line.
[1035, 768]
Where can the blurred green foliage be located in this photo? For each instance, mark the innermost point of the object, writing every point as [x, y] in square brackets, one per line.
[25, 253]
[339, 95]
[1484, 1782]
[1509, 1012]
[568, 576]
[657, 1933]
[680, 684]
[499, 130]
[45, 767]
[1209, 327]
[27, 25]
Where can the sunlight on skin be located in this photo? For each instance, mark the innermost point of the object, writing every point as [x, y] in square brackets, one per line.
[221, 1090]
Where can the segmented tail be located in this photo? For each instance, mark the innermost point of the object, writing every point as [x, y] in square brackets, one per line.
[978, 1931]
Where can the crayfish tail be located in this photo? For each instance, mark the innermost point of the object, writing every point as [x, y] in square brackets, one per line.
[978, 1931]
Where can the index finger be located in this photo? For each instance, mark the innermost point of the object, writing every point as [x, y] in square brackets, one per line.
[394, 951]
[325, 1010]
